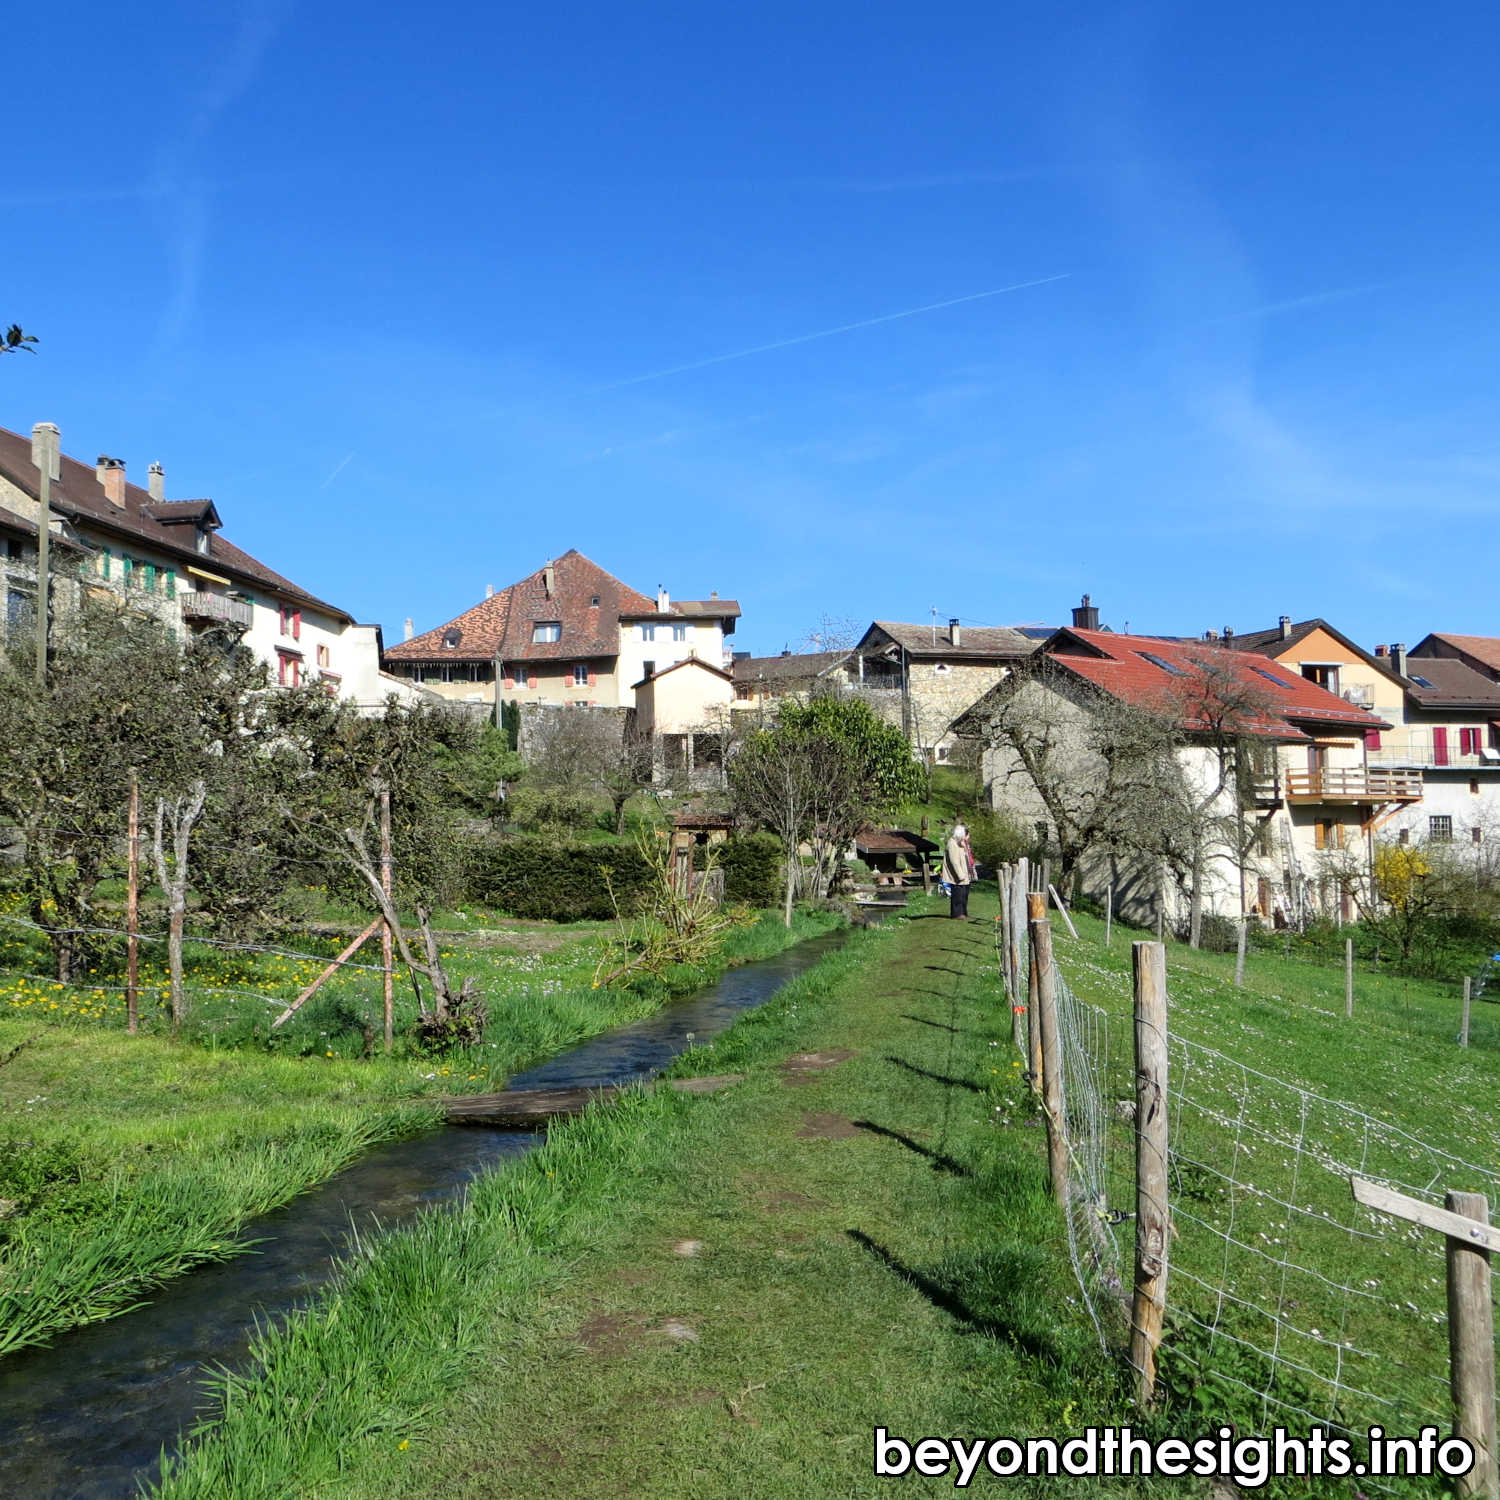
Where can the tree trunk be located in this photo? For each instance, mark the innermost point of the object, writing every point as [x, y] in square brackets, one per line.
[1195, 908]
[791, 889]
[174, 956]
[620, 814]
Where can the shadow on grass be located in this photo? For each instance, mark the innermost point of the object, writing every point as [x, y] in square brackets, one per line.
[943, 1078]
[1001, 1282]
[936, 1025]
[941, 1161]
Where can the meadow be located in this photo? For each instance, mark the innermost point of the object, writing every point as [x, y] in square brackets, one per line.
[127, 1160]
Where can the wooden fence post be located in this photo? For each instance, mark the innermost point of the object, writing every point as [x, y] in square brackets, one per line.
[1052, 1082]
[1471, 1349]
[1036, 911]
[1153, 1224]
[1348, 978]
[1002, 881]
[1239, 956]
[926, 863]
[1016, 937]
[388, 1008]
[133, 910]
[1463, 1036]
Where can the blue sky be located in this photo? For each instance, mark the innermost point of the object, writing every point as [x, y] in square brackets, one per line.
[424, 295]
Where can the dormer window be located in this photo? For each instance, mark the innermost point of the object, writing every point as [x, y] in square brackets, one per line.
[546, 630]
[202, 537]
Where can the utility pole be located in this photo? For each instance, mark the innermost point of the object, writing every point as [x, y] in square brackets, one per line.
[45, 445]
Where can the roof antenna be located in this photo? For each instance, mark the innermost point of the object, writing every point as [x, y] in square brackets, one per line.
[934, 624]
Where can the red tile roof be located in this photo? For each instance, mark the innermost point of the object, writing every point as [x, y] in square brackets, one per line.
[78, 496]
[1289, 705]
[502, 625]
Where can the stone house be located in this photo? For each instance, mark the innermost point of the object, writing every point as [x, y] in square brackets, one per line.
[567, 634]
[1257, 866]
[759, 680]
[923, 677]
[169, 558]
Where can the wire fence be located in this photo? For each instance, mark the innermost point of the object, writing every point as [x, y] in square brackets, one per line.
[1288, 1303]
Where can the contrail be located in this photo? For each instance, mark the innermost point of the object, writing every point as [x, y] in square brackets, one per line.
[824, 333]
[337, 471]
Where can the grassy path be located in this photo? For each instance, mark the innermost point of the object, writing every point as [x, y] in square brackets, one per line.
[717, 1296]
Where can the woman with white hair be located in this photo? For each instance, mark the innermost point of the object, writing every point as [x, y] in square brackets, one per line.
[958, 872]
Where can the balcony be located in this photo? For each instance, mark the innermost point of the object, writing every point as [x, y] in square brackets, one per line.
[218, 609]
[1353, 784]
[1426, 758]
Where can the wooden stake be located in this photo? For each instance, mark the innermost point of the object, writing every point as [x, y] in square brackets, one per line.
[133, 910]
[1239, 956]
[1037, 910]
[388, 1010]
[1463, 1035]
[1109, 912]
[1017, 935]
[332, 968]
[926, 863]
[1471, 1349]
[1153, 1222]
[1052, 1083]
[1057, 902]
[1348, 978]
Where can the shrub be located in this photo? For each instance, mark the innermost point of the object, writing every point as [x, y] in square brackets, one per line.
[996, 840]
[752, 869]
[552, 806]
[565, 882]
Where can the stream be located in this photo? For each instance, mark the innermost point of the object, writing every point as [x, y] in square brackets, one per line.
[87, 1417]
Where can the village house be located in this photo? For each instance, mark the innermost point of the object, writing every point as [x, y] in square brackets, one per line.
[1450, 736]
[760, 680]
[567, 634]
[113, 539]
[1274, 813]
[923, 677]
[683, 711]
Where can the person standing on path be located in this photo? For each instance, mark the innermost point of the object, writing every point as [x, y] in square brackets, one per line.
[958, 872]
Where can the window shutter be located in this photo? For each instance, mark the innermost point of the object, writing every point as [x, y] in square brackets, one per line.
[297, 625]
[1440, 746]
[531, 677]
[510, 681]
[1372, 739]
[593, 678]
[1320, 834]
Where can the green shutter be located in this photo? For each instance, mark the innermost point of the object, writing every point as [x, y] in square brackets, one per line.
[127, 571]
[150, 578]
[171, 584]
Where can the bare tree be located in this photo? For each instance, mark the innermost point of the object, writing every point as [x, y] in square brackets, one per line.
[832, 633]
[587, 751]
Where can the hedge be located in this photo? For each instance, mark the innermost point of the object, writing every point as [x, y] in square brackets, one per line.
[539, 879]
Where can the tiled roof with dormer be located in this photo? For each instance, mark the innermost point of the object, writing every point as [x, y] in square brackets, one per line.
[77, 496]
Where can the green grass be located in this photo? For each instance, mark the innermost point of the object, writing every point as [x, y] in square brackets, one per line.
[125, 1161]
[902, 1270]
[1279, 1098]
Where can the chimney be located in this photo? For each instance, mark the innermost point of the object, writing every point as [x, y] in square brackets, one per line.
[46, 445]
[1229, 635]
[1085, 616]
[489, 591]
[1285, 622]
[955, 633]
[1398, 656]
[663, 603]
[549, 579]
[1209, 637]
[1382, 650]
[111, 474]
[409, 631]
[713, 594]
[156, 482]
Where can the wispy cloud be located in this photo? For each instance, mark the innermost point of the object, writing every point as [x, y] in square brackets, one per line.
[823, 333]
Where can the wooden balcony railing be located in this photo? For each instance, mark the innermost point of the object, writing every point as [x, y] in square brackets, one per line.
[217, 607]
[1354, 784]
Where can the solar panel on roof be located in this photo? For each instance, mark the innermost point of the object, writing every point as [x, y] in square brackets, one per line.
[1272, 677]
[1157, 661]
[1420, 681]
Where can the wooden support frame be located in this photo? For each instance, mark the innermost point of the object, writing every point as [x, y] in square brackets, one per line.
[329, 972]
[1465, 1221]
